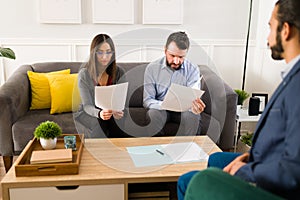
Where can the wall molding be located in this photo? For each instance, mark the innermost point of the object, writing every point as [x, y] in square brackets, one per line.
[51, 41]
[31, 50]
[74, 44]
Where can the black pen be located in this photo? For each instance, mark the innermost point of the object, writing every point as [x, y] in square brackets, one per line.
[160, 152]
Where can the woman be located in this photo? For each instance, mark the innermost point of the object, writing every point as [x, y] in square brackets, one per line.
[100, 70]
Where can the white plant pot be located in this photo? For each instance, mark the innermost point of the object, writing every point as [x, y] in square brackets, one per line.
[48, 143]
[242, 147]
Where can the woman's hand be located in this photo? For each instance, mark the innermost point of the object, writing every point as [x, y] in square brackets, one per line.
[106, 114]
[198, 106]
[118, 114]
[237, 163]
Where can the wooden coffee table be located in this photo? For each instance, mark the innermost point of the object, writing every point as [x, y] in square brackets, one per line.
[106, 172]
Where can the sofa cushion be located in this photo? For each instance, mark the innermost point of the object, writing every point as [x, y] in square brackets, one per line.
[40, 91]
[210, 126]
[64, 93]
[134, 73]
[55, 66]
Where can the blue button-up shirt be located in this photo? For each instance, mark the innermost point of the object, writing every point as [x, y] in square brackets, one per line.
[158, 78]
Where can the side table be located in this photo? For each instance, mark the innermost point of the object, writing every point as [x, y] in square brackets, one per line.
[242, 116]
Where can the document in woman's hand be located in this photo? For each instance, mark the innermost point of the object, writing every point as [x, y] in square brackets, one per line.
[111, 97]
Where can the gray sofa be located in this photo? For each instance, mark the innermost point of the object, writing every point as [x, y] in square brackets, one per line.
[17, 122]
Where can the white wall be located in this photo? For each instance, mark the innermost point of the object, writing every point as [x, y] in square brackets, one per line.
[264, 73]
[218, 26]
[203, 19]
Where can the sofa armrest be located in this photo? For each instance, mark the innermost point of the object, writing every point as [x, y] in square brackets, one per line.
[227, 136]
[220, 100]
[14, 103]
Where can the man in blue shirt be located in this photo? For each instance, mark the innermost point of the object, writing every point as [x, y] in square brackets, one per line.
[159, 75]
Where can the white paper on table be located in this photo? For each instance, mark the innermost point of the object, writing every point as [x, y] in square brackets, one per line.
[180, 98]
[111, 97]
[184, 152]
[165, 154]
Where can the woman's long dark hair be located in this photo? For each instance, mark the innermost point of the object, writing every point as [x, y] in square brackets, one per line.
[92, 63]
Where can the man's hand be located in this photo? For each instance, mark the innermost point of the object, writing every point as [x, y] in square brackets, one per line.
[106, 114]
[236, 164]
[118, 114]
[198, 106]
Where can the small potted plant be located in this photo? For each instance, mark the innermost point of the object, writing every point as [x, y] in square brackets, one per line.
[47, 132]
[242, 96]
[245, 142]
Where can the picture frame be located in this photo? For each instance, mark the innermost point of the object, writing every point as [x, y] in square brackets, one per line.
[163, 11]
[263, 100]
[115, 12]
[59, 11]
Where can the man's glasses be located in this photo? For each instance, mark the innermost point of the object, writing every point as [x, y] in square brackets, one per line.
[101, 53]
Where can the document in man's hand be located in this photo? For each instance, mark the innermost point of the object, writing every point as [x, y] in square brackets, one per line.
[111, 97]
[180, 98]
[153, 155]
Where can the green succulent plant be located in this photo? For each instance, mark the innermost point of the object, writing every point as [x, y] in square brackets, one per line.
[47, 130]
[7, 53]
[247, 139]
[242, 96]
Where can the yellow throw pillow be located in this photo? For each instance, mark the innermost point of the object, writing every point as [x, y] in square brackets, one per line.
[40, 90]
[64, 93]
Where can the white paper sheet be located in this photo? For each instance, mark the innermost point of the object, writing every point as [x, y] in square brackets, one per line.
[111, 97]
[180, 98]
[165, 154]
[184, 152]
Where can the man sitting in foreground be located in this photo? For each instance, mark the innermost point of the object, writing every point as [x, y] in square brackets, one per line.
[273, 162]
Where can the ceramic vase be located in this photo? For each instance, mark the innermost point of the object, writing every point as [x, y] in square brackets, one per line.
[242, 147]
[48, 144]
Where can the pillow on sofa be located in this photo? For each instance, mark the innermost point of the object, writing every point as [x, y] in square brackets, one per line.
[40, 90]
[64, 93]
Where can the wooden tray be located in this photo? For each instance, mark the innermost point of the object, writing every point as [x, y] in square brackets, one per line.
[24, 168]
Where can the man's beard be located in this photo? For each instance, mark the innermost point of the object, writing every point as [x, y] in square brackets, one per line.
[277, 49]
[169, 65]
